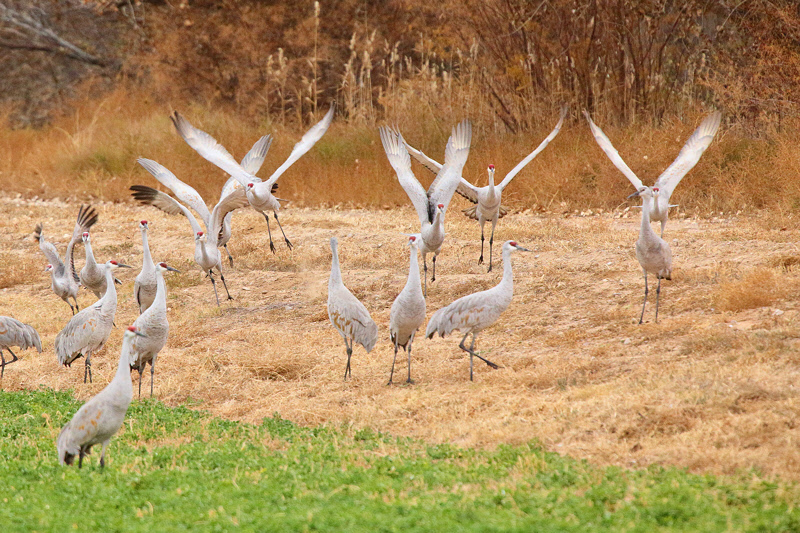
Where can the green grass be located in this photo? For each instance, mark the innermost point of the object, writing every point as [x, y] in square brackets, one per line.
[174, 469]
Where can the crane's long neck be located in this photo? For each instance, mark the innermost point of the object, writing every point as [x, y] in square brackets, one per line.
[508, 275]
[433, 234]
[89, 254]
[646, 231]
[147, 259]
[122, 379]
[491, 189]
[161, 291]
[336, 273]
[108, 303]
[413, 271]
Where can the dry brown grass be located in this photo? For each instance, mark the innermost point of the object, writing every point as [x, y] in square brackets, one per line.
[91, 154]
[759, 287]
[711, 390]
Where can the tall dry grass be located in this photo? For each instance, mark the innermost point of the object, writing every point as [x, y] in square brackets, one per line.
[91, 153]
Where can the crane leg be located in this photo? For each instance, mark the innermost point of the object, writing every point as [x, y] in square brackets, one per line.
[71, 307]
[230, 257]
[269, 232]
[471, 352]
[658, 294]
[141, 370]
[222, 277]
[103, 455]
[152, 373]
[391, 374]
[645, 298]
[408, 351]
[491, 243]
[214, 284]
[433, 278]
[81, 454]
[425, 274]
[663, 225]
[347, 369]
[281, 228]
[3, 368]
[77, 308]
[87, 368]
[480, 259]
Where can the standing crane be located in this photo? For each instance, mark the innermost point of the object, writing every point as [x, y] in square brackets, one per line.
[475, 312]
[259, 193]
[206, 252]
[153, 323]
[101, 417]
[15, 333]
[349, 316]
[408, 310]
[430, 205]
[669, 179]
[64, 279]
[93, 276]
[88, 331]
[487, 199]
[652, 252]
[145, 285]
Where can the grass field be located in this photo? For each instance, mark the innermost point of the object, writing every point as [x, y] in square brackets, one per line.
[175, 469]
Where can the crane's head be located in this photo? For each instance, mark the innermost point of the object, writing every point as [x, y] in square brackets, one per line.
[491, 168]
[412, 241]
[200, 236]
[250, 186]
[143, 224]
[644, 192]
[48, 268]
[512, 245]
[163, 266]
[113, 265]
[440, 206]
[85, 237]
[133, 330]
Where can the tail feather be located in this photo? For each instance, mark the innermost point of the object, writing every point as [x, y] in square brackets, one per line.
[470, 212]
[37, 232]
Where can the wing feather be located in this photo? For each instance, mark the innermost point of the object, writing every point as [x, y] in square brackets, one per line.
[532, 155]
[689, 155]
[304, 144]
[235, 200]
[612, 153]
[396, 152]
[449, 176]
[185, 193]
[149, 196]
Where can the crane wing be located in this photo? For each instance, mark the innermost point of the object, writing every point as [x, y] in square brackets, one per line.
[304, 144]
[208, 148]
[396, 152]
[689, 154]
[250, 163]
[49, 250]
[235, 200]
[70, 341]
[352, 319]
[612, 153]
[87, 217]
[149, 196]
[185, 193]
[449, 176]
[532, 155]
[15, 333]
[424, 160]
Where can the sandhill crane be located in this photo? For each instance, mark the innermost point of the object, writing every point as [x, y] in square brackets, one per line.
[15, 333]
[259, 193]
[88, 331]
[408, 310]
[93, 276]
[487, 199]
[475, 312]
[431, 205]
[153, 323]
[251, 163]
[349, 316]
[206, 252]
[652, 252]
[101, 417]
[144, 288]
[64, 279]
[669, 179]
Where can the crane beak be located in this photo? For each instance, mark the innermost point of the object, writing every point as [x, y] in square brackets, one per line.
[521, 249]
[637, 193]
[139, 333]
[173, 269]
[120, 265]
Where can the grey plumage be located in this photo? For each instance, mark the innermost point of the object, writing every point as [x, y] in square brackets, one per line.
[15, 333]
[475, 312]
[65, 281]
[100, 418]
[144, 287]
[348, 315]
[408, 310]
